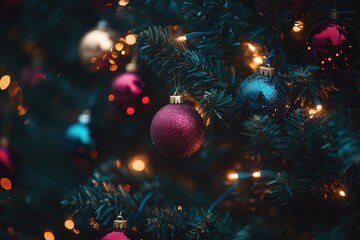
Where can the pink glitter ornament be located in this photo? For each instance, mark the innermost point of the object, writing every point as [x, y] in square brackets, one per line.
[127, 87]
[177, 130]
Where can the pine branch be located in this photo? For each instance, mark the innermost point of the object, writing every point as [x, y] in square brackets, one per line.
[170, 59]
[265, 138]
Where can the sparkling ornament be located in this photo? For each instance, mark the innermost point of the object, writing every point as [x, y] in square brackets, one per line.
[177, 129]
[332, 44]
[120, 231]
[102, 49]
[263, 93]
[127, 87]
[79, 140]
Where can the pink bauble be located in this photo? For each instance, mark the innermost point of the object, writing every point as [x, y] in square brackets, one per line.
[6, 164]
[115, 235]
[177, 130]
[127, 87]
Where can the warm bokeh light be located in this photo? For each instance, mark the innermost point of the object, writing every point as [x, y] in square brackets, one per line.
[138, 165]
[319, 107]
[69, 224]
[113, 67]
[22, 110]
[123, 3]
[342, 193]
[182, 38]
[111, 97]
[314, 111]
[251, 47]
[119, 46]
[123, 52]
[130, 39]
[258, 60]
[76, 231]
[298, 26]
[256, 174]
[145, 100]
[232, 176]
[5, 82]
[130, 111]
[118, 163]
[5, 183]
[49, 235]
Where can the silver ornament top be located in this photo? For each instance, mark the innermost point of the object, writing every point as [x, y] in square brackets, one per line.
[176, 98]
[334, 15]
[267, 70]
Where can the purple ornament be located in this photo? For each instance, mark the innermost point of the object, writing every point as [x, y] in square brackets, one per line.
[177, 130]
[332, 45]
[115, 235]
[127, 87]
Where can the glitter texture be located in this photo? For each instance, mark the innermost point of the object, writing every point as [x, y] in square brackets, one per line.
[263, 95]
[115, 235]
[177, 130]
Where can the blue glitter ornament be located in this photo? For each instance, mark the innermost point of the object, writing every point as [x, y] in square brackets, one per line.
[263, 93]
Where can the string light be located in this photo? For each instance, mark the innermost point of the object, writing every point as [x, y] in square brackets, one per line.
[315, 111]
[253, 53]
[49, 235]
[138, 163]
[69, 224]
[5, 82]
[6, 183]
[256, 174]
[298, 26]
[130, 39]
[342, 193]
[251, 47]
[145, 100]
[123, 3]
[130, 111]
[232, 176]
[182, 38]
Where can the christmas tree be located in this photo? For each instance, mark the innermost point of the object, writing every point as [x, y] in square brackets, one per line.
[260, 138]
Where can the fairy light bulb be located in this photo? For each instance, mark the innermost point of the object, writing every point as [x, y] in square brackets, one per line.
[182, 38]
[232, 176]
[298, 26]
[256, 174]
[342, 193]
[69, 224]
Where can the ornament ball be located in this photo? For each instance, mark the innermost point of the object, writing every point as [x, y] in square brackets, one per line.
[332, 45]
[177, 130]
[127, 87]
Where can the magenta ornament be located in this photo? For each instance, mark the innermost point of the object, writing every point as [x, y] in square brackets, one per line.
[332, 45]
[115, 235]
[177, 130]
[127, 87]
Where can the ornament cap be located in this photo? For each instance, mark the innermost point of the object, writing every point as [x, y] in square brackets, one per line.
[267, 70]
[176, 98]
[334, 15]
[120, 223]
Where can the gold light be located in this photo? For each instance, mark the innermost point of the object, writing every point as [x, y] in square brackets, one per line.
[138, 163]
[182, 38]
[49, 235]
[5, 82]
[256, 174]
[6, 183]
[298, 26]
[251, 47]
[119, 46]
[69, 224]
[130, 39]
[232, 176]
[342, 193]
[258, 60]
[123, 3]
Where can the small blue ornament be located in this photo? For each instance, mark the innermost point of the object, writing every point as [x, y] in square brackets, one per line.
[263, 93]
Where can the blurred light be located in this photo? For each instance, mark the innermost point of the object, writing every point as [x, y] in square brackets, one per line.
[21, 110]
[111, 97]
[114, 54]
[130, 111]
[258, 60]
[232, 176]
[111, 61]
[11, 230]
[251, 47]
[119, 46]
[342, 193]
[123, 3]
[138, 165]
[127, 187]
[131, 67]
[319, 107]
[5, 82]
[84, 117]
[118, 163]
[145, 100]
[256, 174]
[179, 208]
[49, 235]
[76, 231]
[94, 154]
[113, 67]
[182, 38]
[123, 52]
[298, 26]
[6, 183]
[69, 224]
[130, 39]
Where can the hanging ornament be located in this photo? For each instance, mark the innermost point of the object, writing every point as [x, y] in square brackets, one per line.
[120, 231]
[177, 130]
[263, 93]
[332, 44]
[6, 164]
[101, 49]
[79, 140]
[127, 87]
